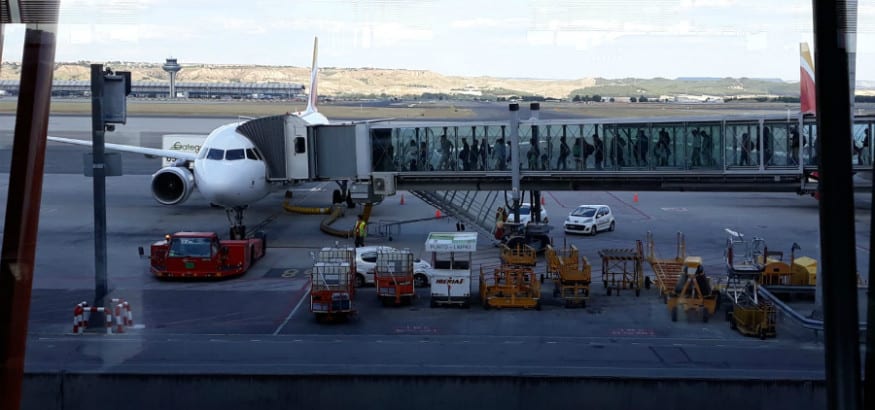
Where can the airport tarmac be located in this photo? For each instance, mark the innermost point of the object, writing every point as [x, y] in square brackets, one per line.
[260, 322]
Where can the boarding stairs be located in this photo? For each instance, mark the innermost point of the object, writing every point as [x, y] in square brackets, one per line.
[476, 209]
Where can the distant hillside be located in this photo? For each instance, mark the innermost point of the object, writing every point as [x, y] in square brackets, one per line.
[694, 86]
[377, 82]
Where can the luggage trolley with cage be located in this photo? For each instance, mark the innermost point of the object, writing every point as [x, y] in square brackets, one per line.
[450, 274]
[333, 283]
[393, 276]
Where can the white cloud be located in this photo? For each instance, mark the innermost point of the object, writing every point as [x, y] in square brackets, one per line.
[694, 4]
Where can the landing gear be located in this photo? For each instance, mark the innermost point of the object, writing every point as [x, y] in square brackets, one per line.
[238, 229]
[343, 194]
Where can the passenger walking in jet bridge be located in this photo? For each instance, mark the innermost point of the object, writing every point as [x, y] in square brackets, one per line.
[793, 158]
[423, 157]
[746, 148]
[360, 231]
[547, 155]
[696, 155]
[576, 153]
[618, 145]
[663, 148]
[464, 154]
[485, 150]
[862, 148]
[768, 146]
[446, 149]
[641, 147]
[599, 152]
[500, 155]
[474, 155]
[564, 151]
[533, 154]
[411, 155]
[707, 149]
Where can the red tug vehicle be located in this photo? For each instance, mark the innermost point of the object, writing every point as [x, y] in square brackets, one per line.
[203, 255]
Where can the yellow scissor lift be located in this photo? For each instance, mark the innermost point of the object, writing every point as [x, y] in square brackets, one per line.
[693, 291]
[622, 269]
[510, 286]
[567, 256]
[666, 271]
[572, 282]
[520, 255]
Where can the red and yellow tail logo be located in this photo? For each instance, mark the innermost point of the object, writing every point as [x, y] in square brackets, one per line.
[807, 94]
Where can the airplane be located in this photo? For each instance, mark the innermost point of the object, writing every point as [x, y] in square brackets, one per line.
[229, 170]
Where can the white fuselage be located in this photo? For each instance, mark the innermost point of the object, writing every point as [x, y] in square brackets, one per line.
[225, 171]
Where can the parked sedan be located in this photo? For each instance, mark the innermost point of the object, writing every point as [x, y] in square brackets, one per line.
[366, 261]
[590, 219]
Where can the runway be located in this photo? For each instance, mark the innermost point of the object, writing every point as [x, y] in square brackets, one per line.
[258, 323]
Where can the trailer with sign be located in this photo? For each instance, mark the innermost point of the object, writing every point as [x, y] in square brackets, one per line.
[450, 274]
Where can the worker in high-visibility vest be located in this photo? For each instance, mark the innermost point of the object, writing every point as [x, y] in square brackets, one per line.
[360, 230]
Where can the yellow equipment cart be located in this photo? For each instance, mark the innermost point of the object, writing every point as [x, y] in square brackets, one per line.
[621, 269]
[509, 286]
[693, 291]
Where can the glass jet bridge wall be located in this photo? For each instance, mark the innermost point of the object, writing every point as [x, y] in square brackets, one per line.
[739, 145]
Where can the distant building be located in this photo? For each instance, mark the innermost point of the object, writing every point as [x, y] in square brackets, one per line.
[158, 89]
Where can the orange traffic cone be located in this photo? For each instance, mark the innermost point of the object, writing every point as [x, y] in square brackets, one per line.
[402, 199]
[635, 198]
[437, 213]
[543, 201]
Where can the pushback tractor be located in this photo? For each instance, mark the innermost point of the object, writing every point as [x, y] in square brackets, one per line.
[203, 255]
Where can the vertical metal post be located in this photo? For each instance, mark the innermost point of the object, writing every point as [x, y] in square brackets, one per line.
[535, 108]
[869, 364]
[515, 159]
[23, 205]
[98, 129]
[837, 240]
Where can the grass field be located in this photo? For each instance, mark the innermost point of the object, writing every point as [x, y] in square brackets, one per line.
[256, 109]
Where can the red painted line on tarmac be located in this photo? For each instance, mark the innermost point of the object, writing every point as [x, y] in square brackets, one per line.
[556, 200]
[628, 205]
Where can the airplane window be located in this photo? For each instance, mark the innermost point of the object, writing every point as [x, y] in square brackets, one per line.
[215, 154]
[250, 154]
[234, 154]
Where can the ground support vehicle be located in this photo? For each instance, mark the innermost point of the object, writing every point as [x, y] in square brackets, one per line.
[203, 255]
[450, 272]
[510, 286]
[572, 282]
[666, 271]
[534, 234]
[754, 319]
[521, 255]
[333, 284]
[622, 269]
[693, 292]
[567, 256]
[744, 266]
[393, 277]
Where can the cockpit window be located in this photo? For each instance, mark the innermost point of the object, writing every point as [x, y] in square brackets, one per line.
[234, 154]
[215, 154]
[251, 154]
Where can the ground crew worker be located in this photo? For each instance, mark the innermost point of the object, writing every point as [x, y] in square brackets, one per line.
[360, 230]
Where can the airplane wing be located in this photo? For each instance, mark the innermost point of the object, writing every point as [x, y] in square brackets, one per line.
[188, 156]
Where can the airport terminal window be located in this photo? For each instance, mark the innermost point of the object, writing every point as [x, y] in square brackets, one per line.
[235, 154]
[215, 154]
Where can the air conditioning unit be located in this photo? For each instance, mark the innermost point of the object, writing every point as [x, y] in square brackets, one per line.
[383, 183]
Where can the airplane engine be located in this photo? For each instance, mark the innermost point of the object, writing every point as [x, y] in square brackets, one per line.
[172, 185]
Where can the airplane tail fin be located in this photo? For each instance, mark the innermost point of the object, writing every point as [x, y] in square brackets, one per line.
[314, 95]
[806, 81]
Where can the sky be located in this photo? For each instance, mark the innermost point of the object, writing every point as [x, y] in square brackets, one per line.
[549, 39]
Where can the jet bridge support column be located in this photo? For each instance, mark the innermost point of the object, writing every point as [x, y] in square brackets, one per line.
[837, 239]
[515, 159]
[535, 108]
[23, 202]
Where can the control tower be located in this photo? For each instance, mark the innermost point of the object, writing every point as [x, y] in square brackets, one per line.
[172, 67]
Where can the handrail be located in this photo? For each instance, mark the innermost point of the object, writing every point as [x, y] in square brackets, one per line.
[807, 323]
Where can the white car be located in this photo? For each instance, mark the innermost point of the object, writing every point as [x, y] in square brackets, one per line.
[366, 261]
[590, 219]
[526, 214]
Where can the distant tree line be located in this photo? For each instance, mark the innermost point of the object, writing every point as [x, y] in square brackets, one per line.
[587, 98]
